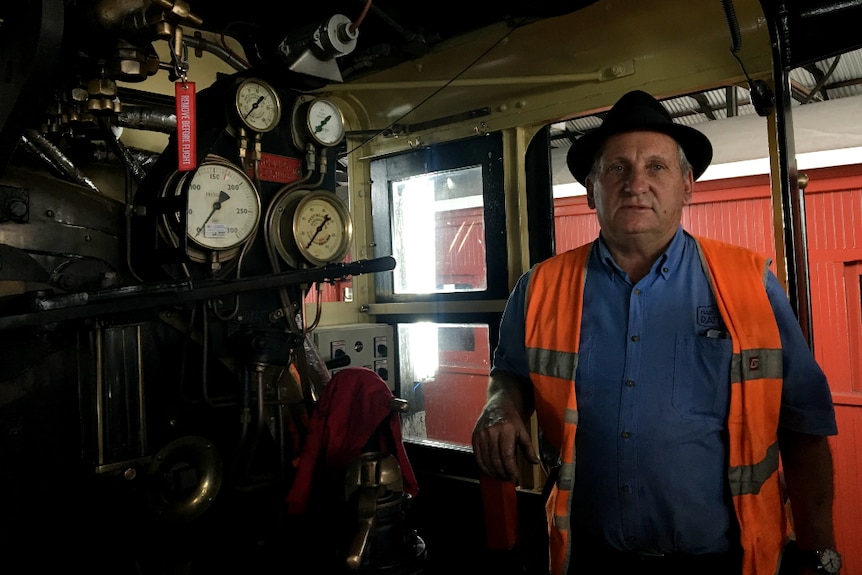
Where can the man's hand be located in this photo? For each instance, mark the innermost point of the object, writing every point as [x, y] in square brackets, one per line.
[498, 431]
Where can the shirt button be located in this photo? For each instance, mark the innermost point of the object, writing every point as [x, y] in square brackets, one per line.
[625, 489]
[665, 270]
[637, 292]
[625, 434]
[635, 338]
[630, 383]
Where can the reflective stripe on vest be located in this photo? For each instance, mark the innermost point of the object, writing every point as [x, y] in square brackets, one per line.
[553, 363]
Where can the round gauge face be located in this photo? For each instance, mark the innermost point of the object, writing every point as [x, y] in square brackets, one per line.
[258, 105]
[322, 227]
[324, 122]
[223, 206]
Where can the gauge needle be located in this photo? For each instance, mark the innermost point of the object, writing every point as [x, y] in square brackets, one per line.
[322, 123]
[222, 197]
[254, 106]
[319, 229]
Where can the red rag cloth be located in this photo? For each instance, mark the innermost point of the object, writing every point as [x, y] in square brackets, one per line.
[354, 404]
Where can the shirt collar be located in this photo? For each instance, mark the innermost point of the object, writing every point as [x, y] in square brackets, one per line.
[664, 265]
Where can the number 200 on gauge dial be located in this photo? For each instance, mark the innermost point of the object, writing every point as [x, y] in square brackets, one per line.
[223, 206]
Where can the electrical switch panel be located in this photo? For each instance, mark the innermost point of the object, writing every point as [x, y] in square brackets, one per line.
[362, 344]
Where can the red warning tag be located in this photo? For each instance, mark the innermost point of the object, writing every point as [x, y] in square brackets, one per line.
[186, 126]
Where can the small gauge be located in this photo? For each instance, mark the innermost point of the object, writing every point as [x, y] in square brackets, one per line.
[223, 206]
[258, 105]
[311, 226]
[324, 122]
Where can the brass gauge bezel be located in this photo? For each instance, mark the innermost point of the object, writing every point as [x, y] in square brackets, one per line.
[297, 222]
[322, 227]
[257, 105]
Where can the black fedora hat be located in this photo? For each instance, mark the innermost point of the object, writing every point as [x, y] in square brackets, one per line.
[637, 110]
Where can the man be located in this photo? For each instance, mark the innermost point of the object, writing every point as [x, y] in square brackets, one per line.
[667, 372]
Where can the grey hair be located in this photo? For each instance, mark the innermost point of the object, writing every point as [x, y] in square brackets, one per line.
[684, 164]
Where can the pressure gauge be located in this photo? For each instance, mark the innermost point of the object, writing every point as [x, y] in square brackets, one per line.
[258, 105]
[311, 226]
[322, 227]
[318, 120]
[223, 206]
[325, 122]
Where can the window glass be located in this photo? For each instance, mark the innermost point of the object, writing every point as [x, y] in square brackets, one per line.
[438, 232]
[444, 375]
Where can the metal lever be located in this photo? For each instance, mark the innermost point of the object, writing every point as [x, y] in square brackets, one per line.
[366, 512]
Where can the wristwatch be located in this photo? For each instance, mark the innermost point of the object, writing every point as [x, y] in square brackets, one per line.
[826, 560]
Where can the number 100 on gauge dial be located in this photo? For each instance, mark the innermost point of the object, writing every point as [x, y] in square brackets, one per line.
[223, 206]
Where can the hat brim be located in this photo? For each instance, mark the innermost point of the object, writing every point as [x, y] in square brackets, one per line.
[697, 147]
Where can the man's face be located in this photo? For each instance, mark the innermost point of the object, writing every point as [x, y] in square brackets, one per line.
[639, 188]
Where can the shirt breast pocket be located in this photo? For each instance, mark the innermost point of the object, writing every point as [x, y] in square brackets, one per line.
[701, 378]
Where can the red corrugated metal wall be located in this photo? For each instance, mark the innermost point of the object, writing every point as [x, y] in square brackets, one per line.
[460, 240]
[740, 211]
[462, 374]
[833, 205]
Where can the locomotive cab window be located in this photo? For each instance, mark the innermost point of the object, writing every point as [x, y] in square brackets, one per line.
[439, 213]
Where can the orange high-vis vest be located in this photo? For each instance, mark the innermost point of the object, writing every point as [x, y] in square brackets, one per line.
[738, 278]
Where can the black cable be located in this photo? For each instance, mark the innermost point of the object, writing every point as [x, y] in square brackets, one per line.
[733, 25]
[819, 86]
[761, 95]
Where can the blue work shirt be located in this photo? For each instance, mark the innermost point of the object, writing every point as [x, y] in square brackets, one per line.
[653, 390]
